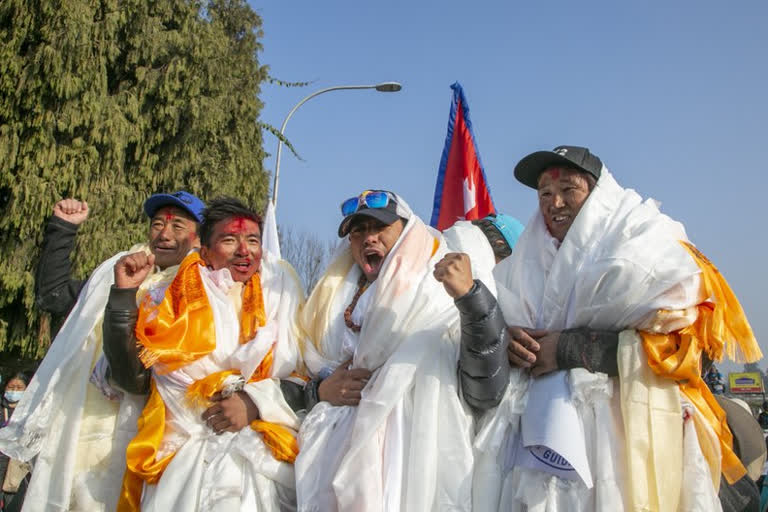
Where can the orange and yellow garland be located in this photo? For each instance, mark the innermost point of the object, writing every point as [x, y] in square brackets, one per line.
[721, 326]
[177, 332]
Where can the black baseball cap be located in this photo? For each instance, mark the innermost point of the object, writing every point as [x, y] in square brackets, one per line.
[181, 199]
[386, 214]
[527, 171]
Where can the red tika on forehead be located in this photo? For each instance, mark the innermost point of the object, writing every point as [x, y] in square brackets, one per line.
[238, 225]
[168, 213]
[554, 173]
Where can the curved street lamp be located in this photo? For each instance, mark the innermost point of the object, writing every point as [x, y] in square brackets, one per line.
[382, 87]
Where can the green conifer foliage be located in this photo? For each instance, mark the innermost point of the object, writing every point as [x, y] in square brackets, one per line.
[110, 101]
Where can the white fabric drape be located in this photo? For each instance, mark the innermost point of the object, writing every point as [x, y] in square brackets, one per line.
[620, 262]
[406, 446]
[465, 237]
[231, 471]
[78, 435]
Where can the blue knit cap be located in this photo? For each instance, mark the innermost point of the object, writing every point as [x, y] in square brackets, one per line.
[509, 227]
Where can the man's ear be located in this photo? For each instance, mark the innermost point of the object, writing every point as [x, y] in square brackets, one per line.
[196, 242]
[203, 251]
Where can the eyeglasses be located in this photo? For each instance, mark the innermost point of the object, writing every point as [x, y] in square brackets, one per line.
[369, 199]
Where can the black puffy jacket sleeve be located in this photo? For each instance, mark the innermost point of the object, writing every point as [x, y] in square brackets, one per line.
[126, 369]
[55, 290]
[119, 341]
[483, 365]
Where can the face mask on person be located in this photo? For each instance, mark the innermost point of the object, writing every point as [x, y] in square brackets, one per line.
[13, 396]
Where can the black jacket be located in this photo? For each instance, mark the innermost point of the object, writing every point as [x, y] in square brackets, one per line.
[119, 341]
[55, 290]
[483, 365]
[122, 352]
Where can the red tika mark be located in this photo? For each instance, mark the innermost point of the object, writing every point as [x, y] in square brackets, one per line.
[238, 225]
[554, 174]
[168, 217]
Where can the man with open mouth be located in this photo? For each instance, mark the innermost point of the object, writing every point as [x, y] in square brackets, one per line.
[385, 429]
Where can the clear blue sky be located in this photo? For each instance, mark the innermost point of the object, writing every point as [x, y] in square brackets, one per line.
[673, 96]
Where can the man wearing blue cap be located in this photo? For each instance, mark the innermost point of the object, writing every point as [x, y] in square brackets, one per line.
[78, 431]
[56, 291]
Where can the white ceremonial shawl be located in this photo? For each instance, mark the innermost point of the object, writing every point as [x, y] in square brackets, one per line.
[465, 237]
[49, 420]
[410, 407]
[620, 261]
[232, 471]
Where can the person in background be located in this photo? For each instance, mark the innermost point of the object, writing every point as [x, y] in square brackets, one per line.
[714, 380]
[762, 418]
[13, 474]
[502, 232]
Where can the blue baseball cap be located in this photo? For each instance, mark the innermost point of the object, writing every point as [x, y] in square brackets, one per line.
[509, 227]
[181, 199]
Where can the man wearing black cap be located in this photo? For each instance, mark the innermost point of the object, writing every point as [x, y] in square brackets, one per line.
[76, 429]
[386, 429]
[610, 310]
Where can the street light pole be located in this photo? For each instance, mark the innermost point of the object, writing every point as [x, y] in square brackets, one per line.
[382, 87]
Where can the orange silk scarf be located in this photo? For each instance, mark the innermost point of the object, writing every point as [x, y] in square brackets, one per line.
[175, 333]
[721, 326]
[180, 329]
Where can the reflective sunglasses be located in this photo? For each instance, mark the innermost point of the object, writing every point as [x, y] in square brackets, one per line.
[369, 199]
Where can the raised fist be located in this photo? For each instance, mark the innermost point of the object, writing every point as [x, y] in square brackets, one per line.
[455, 272]
[132, 269]
[71, 210]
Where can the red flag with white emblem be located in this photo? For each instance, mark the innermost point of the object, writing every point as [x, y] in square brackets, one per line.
[462, 191]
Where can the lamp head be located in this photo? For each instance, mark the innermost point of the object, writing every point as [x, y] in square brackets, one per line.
[388, 87]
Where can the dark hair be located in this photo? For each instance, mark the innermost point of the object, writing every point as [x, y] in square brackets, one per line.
[23, 377]
[501, 248]
[220, 209]
[591, 181]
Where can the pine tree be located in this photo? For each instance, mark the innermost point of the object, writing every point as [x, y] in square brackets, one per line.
[110, 101]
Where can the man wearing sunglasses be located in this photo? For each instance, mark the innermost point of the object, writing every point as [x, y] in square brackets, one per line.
[386, 429]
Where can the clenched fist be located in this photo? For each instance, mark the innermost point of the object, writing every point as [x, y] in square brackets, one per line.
[455, 272]
[132, 269]
[71, 210]
[230, 414]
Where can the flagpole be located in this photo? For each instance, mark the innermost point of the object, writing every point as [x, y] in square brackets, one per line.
[382, 87]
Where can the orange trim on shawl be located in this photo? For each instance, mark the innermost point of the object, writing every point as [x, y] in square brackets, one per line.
[175, 333]
[141, 453]
[720, 328]
[280, 440]
[180, 329]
